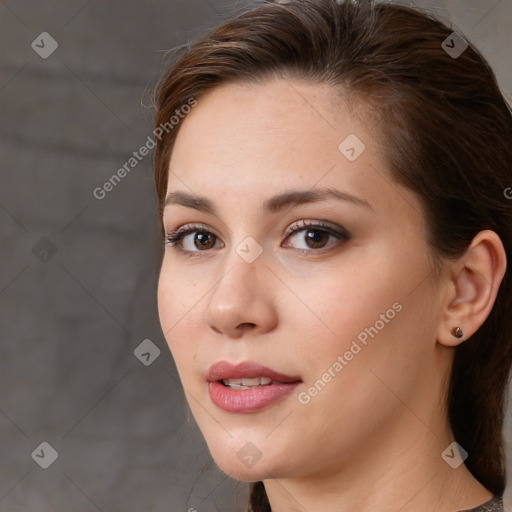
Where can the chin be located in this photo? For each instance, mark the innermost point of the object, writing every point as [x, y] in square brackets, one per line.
[239, 471]
[243, 461]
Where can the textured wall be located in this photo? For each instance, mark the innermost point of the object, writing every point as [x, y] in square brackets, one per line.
[78, 274]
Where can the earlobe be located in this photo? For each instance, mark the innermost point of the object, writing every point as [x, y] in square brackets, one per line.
[475, 280]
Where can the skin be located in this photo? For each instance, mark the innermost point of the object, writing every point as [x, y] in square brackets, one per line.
[372, 438]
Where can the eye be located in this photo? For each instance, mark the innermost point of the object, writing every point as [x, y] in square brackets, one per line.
[182, 240]
[315, 235]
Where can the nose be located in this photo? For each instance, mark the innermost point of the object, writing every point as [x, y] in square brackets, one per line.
[242, 301]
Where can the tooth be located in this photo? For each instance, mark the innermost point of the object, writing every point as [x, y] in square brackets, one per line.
[255, 381]
[232, 381]
[247, 383]
[237, 386]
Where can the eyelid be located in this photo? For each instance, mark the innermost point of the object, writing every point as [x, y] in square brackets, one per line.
[178, 234]
[192, 227]
[303, 225]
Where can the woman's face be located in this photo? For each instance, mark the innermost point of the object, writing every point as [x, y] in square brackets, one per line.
[334, 293]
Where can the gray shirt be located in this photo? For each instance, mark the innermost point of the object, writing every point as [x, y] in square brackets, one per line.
[495, 504]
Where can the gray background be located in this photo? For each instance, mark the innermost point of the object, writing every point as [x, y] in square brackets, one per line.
[78, 275]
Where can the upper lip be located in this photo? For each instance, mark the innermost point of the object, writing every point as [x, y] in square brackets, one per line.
[223, 370]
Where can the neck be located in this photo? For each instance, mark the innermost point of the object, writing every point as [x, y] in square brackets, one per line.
[397, 470]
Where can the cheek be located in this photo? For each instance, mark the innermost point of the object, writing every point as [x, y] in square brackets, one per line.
[365, 314]
[175, 302]
[180, 313]
[177, 292]
[166, 299]
[339, 304]
[387, 347]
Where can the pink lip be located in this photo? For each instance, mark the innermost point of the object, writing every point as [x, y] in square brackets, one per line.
[247, 400]
[225, 370]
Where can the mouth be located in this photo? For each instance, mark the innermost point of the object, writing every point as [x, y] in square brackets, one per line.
[247, 387]
[248, 374]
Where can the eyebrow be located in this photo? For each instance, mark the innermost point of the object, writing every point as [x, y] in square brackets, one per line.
[273, 204]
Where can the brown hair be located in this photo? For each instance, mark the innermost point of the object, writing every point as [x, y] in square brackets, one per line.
[447, 137]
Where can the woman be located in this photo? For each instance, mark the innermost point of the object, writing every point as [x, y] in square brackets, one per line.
[334, 182]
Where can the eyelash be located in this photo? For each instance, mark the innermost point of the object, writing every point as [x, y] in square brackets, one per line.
[174, 238]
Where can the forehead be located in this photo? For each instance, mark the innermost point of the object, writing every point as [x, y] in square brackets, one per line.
[275, 133]
[242, 144]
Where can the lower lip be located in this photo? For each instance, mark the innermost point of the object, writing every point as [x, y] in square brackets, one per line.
[248, 400]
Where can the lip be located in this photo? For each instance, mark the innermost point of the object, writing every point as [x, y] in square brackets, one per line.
[245, 370]
[247, 400]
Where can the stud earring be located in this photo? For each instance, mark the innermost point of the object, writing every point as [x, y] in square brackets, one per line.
[457, 332]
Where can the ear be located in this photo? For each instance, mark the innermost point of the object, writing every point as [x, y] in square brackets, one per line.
[474, 282]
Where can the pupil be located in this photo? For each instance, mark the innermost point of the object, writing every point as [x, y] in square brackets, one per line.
[202, 238]
[316, 237]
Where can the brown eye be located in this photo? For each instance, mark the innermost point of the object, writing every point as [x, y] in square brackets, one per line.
[192, 239]
[204, 240]
[308, 236]
[316, 239]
